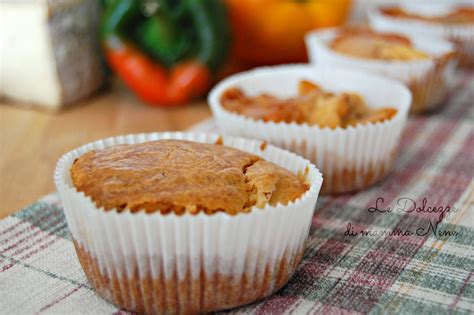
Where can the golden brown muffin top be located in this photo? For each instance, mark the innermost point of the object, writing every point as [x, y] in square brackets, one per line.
[366, 43]
[461, 15]
[313, 106]
[182, 176]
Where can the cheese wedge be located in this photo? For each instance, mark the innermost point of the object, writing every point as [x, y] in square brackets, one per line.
[49, 51]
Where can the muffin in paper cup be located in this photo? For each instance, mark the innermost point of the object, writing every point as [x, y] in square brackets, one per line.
[429, 79]
[460, 34]
[350, 158]
[170, 263]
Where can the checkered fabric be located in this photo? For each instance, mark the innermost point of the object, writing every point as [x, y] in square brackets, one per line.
[361, 256]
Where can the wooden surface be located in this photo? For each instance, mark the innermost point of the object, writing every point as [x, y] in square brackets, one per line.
[31, 142]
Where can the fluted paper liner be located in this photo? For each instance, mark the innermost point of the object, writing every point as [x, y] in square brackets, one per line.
[351, 158]
[429, 80]
[461, 34]
[188, 263]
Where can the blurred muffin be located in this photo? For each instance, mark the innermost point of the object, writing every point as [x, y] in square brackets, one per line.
[336, 118]
[425, 65]
[155, 219]
[457, 15]
[368, 44]
[451, 20]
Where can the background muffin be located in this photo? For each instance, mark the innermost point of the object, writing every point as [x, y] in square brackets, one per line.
[451, 20]
[350, 158]
[426, 65]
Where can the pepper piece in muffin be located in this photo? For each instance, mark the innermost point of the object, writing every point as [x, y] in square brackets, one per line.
[182, 177]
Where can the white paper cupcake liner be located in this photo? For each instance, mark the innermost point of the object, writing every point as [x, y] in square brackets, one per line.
[351, 158]
[462, 35]
[189, 263]
[429, 80]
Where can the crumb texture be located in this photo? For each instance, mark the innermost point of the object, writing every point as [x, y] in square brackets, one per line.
[182, 176]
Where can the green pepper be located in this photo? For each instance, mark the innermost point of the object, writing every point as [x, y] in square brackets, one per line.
[165, 35]
[213, 30]
[160, 37]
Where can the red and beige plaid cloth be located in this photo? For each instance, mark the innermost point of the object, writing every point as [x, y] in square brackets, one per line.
[416, 258]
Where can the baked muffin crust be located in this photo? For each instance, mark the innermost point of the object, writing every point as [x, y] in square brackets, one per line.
[182, 176]
[313, 105]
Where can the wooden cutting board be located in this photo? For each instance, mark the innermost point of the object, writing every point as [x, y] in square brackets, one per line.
[32, 141]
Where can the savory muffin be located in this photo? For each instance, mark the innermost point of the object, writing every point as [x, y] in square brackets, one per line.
[366, 43]
[150, 218]
[460, 15]
[447, 19]
[330, 115]
[423, 63]
[182, 177]
[313, 106]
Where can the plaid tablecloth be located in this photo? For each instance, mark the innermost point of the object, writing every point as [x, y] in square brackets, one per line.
[359, 258]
